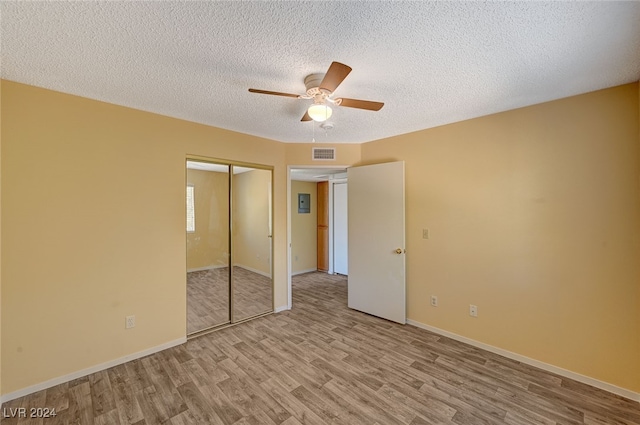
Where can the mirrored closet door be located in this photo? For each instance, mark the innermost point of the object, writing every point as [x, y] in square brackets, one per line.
[229, 261]
[251, 241]
[208, 245]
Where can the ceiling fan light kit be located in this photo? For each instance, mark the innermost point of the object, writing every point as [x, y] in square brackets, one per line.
[320, 88]
[319, 112]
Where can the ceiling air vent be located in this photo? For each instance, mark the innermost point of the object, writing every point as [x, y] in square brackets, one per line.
[323, 154]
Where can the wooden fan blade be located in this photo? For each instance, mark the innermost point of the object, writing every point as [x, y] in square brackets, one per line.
[360, 104]
[306, 117]
[335, 75]
[275, 93]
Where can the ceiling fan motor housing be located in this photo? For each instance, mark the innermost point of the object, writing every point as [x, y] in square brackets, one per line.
[312, 84]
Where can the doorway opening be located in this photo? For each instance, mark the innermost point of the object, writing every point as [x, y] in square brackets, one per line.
[317, 240]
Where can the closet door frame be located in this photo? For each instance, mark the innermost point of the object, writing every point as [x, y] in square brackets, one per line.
[231, 164]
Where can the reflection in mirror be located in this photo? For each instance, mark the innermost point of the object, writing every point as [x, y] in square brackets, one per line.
[207, 246]
[252, 236]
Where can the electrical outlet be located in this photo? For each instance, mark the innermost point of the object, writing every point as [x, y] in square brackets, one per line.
[425, 233]
[434, 300]
[473, 310]
[129, 322]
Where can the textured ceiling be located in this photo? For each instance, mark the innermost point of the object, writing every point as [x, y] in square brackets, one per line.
[432, 63]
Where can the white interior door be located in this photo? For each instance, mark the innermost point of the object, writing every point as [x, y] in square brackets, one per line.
[377, 240]
[340, 229]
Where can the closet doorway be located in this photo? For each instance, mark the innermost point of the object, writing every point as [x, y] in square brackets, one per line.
[229, 243]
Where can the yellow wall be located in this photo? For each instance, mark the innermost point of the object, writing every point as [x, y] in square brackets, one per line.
[304, 235]
[93, 228]
[251, 243]
[208, 245]
[534, 216]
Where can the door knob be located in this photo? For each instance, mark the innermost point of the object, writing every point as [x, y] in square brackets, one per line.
[399, 251]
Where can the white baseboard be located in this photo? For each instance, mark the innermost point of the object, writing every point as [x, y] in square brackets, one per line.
[303, 272]
[93, 369]
[282, 308]
[251, 269]
[201, 269]
[532, 362]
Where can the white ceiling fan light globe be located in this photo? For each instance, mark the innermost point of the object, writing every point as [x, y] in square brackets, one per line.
[319, 112]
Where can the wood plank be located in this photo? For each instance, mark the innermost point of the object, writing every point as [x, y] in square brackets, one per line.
[108, 418]
[102, 399]
[299, 410]
[127, 405]
[80, 409]
[198, 405]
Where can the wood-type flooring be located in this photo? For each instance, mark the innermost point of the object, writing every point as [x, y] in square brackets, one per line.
[322, 363]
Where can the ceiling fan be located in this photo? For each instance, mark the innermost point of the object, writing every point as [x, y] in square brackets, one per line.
[320, 88]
